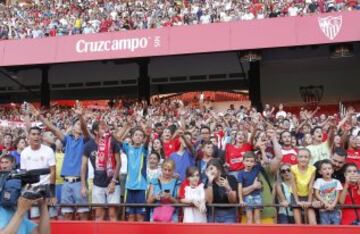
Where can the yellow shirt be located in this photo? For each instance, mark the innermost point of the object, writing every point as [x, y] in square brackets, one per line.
[78, 23]
[59, 162]
[302, 179]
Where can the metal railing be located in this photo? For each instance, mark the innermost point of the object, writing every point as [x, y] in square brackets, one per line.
[212, 207]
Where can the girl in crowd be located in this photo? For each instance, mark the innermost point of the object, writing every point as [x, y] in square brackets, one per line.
[221, 188]
[153, 171]
[284, 195]
[157, 146]
[304, 176]
[192, 192]
[351, 195]
[165, 188]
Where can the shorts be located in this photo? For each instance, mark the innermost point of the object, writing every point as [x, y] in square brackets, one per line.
[330, 217]
[101, 196]
[234, 173]
[71, 194]
[135, 196]
[301, 199]
[252, 200]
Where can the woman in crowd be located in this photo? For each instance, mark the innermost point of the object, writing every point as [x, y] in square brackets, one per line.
[164, 189]
[284, 195]
[221, 188]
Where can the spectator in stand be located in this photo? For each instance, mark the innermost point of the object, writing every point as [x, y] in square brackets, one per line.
[6, 146]
[153, 171]
[280, 113]
[221, 188]
[202, 163]
[103, 152]
[246, 178]
[74, 147]
[59, 157]
[192, 192]
[20, 144]
[351, 195]
[184, 157]
[234, 153]
[284, 195]
[39, 156]
[353, 154]
[164, 190]
[288, 151]
[157, 147]
[7, 163]
[304, 176]
[136, 184]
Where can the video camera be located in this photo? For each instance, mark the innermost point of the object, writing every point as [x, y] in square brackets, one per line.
[13, 182]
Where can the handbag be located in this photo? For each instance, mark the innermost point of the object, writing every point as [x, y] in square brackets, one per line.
[357, 220]
[165, 212]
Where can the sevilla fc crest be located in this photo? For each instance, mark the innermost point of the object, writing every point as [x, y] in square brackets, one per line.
[330, 26]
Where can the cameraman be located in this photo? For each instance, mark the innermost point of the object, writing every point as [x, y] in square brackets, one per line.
[15, 222]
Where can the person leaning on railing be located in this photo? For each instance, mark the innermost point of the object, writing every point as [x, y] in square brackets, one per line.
[220, 188]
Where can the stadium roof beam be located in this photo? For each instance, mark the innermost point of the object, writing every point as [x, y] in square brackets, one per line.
[6, 74]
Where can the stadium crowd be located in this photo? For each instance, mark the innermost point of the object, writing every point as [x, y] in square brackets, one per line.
[170, 153]
[43, 18]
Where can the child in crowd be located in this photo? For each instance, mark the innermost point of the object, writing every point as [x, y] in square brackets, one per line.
[193, 192]
[154, 169]
[246, 178]
[327, 191]
[136, 183]
[304, 176]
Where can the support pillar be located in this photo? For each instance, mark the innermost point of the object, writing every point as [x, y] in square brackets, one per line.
[144, 80]
[254, 85]
[45, 87]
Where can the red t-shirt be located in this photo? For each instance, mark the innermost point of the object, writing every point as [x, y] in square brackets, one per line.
[289, 156]
[348, 215]
[353, 156]
[171, 147]
[234, 156]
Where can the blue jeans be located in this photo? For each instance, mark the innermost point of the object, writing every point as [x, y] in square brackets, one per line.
[71, 194]
[330, 217]
[225, 215]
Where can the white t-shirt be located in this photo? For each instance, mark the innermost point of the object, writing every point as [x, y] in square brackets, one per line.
[193, 214]
[44, 157]
[328, 189]
[280, 113]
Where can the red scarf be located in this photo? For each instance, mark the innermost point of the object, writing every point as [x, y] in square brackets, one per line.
[105, 159]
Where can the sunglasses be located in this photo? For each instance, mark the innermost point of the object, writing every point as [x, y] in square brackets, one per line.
[283, 171]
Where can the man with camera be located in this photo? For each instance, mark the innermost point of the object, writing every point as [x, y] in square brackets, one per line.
[15, 221]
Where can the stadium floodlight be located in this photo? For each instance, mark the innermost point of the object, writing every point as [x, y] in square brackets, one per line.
[312, 95]
[341, 51]
[250, 56]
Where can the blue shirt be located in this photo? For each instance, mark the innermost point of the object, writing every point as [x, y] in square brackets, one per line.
[136, 167]
[25, 227]
[74, 149]
[16, 155]
[172, 186]
[182, 162]
[247, 178]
